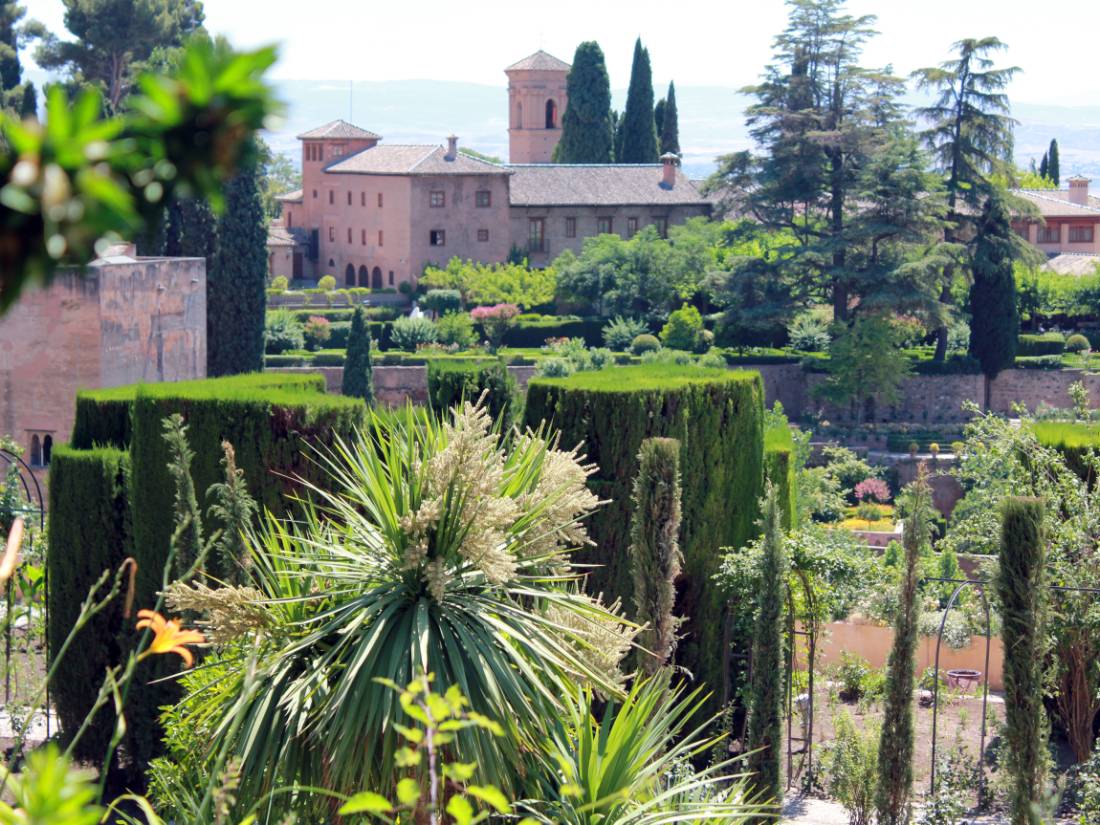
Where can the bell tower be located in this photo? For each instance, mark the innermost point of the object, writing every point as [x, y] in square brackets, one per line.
[536, 103]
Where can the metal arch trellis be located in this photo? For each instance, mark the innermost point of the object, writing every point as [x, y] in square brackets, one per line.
[809, 631]
[980, 584]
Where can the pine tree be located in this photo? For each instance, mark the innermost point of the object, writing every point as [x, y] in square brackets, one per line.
[764, 736]
[670, 123]
[655, 549]
[28, 106]
[1044, 166]
[639, 130]
[1021, 591]
[358, 381]
[11, 69]
[236, 294]
[1054, 171]
[895, 781]
[586, 135]
[994, 318]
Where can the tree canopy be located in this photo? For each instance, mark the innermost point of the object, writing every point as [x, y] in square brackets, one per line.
[639, 143]
[586, 135]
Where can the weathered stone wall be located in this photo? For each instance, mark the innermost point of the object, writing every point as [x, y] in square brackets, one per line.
[1034, 387]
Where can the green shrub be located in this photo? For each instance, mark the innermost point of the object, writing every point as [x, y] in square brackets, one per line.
[530, 330]
[851, 673]
[1048, 343]
[644, 343]
[358, 378]
[327, 283]
[1075, 440]
[282, 331]
[779, 468]
[1077, 343]
[456, 329]
[329, 359]
[1038, 362]
[684, 329]
[442, 301]
[89, 535]
[851, 765]
[280, 283]
[287, 361]
[556, 367]
[410, 333]
[717, 415]
[809, 332]
[452, 382]
[952, 365]
[317, 332]
[620, 332]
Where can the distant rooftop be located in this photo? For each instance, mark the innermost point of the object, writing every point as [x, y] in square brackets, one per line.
[611, 184]
[540, 61]
[339, 129]
[411, 159]
[1055, 203]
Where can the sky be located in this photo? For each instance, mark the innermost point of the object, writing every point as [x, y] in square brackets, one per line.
[694, 42]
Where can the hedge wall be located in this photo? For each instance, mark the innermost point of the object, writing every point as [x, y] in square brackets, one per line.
[451, 382]
[718, 417]
[89, 534]
[779, 468]
[1072, 439]
[1048, 343]
[533, 330]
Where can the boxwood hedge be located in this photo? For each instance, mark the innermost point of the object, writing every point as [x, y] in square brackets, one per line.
[1047, 343]
[1073, 439]
[450, 382]
[779, 469]
[718, 417]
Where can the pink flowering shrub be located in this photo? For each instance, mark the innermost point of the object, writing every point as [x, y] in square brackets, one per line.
[495, 320]
[873, 489]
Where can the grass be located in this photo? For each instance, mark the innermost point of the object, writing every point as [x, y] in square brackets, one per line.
[884, 524]
[1063, 435]
[208, 387]
[647, 377]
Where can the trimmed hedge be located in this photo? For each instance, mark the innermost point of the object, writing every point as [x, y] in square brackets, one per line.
[1073, 439]
[1047, 343]
[900, 442]
[89, 534]
[533, 330]
[953, 365]
[717, 415]
[779, 469]
[452, 382]
[1038, 362]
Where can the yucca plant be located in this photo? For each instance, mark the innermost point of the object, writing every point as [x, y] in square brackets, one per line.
[439, 551]
[631, 765]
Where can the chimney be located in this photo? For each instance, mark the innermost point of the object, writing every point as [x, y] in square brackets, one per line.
[1079, 190]
[452, 148]
[669, 162]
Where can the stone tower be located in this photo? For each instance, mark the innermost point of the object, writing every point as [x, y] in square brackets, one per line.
[536, 103]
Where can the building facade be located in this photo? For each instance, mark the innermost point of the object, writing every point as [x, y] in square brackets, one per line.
[1068, 223]
[125, 319]
[373, 214]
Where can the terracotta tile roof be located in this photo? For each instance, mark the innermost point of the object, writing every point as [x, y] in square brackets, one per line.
[398, 159]
[1055, 203]
[1073, 263]
[339, 129]
[560, 184]
[290, 197]
[277, 235]
[540, 61]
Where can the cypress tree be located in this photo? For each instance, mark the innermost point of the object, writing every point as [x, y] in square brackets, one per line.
[764, 736]
[994, 318]
[1044, 166]
[358, 381]
[586, 133]
[1021, 589]
[617, 125]
[639, 130]
[655, 549]
[1054, 171]
[670, 123]
[895, 781]
[236, 296]
[659, 121]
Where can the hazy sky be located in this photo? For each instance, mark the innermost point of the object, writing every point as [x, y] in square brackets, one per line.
[695, 42]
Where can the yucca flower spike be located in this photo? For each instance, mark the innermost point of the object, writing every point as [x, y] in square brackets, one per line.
[168, 636]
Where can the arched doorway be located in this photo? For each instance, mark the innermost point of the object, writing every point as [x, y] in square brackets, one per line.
[349, 275]
[376, 278]
[551, 114]
[364, 277]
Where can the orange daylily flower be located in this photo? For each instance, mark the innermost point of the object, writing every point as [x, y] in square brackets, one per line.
[168, 636]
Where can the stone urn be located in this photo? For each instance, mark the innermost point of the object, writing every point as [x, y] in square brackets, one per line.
[964, 679]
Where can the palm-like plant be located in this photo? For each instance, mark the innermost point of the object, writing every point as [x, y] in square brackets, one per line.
[632, 766]
[440, 552]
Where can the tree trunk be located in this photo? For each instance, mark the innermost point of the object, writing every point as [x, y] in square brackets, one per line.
[941, 331]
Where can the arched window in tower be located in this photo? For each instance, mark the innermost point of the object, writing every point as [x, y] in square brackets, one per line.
[36, 451]
[349, 275]
[551, 114]
[519, 116]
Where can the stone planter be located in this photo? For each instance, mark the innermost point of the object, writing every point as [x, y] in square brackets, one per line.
[964, 679]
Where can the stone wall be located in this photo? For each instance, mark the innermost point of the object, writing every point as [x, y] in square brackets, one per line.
[1034, 387]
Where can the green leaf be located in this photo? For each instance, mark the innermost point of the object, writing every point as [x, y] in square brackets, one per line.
[461, 810]
[414, 735]
[408, 792]
[459, 771]
[366, 802]
[491, 796]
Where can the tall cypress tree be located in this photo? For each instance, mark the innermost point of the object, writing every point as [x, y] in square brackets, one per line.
[670, 123]
[764, 736]
[659, 120]
[358, 380]
[1054, 171]
[236, 296]
[895, 781]
[1044, 166]
[586, 130]
[639, 130]
[1021, 591]
[994, 318]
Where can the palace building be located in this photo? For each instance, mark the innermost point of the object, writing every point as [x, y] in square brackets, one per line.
[375, 214]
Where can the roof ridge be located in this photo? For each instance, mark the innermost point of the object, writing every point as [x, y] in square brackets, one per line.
[431, 151]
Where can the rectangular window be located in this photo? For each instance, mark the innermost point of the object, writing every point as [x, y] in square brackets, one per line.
[362, 198]
[332, 233]
[436, 199]
[483, 235]
[570, 227]
[363, 237]
[1050, 234]
[483, 198]
[536, 235]
[379, 200]
[289, 220]
[391, 277]
[1080, 234]
[320, 152]
[349, 198]
[349, 234]
[662, 226]
[604, 226]
[631, 227]
[331, 196]
[379, 237]
[437, 237]
[314, 194]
